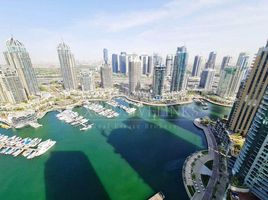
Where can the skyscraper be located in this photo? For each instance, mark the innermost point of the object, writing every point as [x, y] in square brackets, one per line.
[169, 63]
[67, 66]
[115, 63]
[105, 56]
[179, 69]
[106, 76]
[207, 78]
[150, 65]
[158, 80]
[18, 58]
[251, 166]
[5, 94]
[230, 80]
[242, 62]
[225, 62]
[134, 73]
[11, 86]
[211, 60]
[87, 80]
[123, 60]
[197, 66]
[144, 64]
[248, 99]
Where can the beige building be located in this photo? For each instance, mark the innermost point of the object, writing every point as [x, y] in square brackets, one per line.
[250, 94]
[11, 88]
[134, 73]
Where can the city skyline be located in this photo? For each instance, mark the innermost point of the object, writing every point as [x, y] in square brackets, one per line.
[106, 25]
[145, 100]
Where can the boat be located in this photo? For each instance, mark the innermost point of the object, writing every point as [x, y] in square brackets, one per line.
[205, 107]
[86, 127]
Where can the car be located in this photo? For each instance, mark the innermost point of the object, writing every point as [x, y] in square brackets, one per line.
[204, 189]
[198, 191]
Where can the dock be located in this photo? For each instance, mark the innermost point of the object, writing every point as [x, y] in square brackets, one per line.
[26, 147]
[35, 124]
[158, 196]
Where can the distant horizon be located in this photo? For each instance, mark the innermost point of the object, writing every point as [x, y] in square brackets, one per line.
[228, 27]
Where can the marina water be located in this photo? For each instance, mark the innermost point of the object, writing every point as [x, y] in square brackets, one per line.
[128, 157]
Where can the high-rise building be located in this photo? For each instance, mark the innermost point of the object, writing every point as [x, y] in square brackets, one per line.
[225, 62]
[157, 59]
[150, 65]
[179, 69]
[105, 56]
[211, 60]
[197, 66]
[67, 66]
[252, 90]
[230, 80]
[158, 80]
[106, 76]
[251, 166]
[242, 62]
[123, 60]
[5, 95]
[206, 79]
[11, 88]
[134, 73]
[115, 63]
[169, 63]
[87, 80]
[18, 58]
[144, 64]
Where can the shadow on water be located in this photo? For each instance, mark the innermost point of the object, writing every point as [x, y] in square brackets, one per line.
[69, 175]
[154, 153]
[180, 117]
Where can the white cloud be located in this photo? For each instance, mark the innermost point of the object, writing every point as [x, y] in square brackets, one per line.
[226, 26]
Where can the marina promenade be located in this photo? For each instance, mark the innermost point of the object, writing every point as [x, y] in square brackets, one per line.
[153, 104]
[212, 146]
[194, 167]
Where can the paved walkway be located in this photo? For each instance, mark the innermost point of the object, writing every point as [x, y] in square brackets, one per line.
[199, 159]
[153, 104]
[212, 145]
[196, 168]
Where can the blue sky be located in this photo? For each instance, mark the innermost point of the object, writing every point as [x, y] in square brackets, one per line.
[224, 26]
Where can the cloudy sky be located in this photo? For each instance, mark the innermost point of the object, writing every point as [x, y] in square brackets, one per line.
[224, 26]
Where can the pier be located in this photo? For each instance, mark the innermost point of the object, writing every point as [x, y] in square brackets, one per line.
[74, 119]
[26, 147]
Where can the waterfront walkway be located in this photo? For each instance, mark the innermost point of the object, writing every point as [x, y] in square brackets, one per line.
[153, 104]
[212, 146]
[215, 102]
[194, 166]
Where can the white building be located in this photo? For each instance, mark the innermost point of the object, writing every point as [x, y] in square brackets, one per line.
[87, 80]
[18, 58]
[67, 66]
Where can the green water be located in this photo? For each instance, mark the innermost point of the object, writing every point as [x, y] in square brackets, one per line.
[130, 157]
